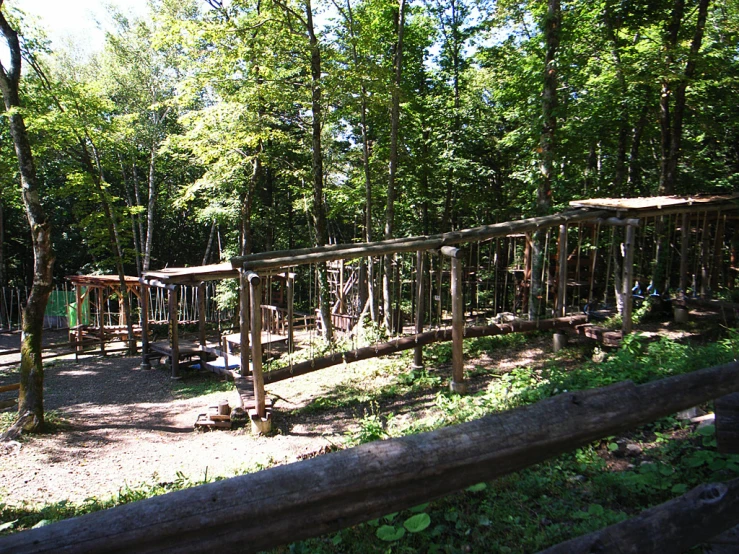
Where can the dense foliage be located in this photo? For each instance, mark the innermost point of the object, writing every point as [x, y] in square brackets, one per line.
[195, 123]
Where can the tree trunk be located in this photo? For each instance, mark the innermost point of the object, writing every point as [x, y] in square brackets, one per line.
[150, 207]
[678, 110]
[30, 398]
[552, 24]
[634, 179]
[113, 234]
[319, 208]
[370, 270]
[393, 169]
[209, 246]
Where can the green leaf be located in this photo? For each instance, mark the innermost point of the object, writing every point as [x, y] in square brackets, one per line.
[420, 508]
[595, 510]
[336, 541]
[390, 517]
[390, 533]
[694, 461]
[373, 522]
[612, 446]
[707, 431]
[680, 488]
[477, 488]
[417, 523]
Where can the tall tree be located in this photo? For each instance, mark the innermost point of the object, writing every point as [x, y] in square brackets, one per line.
[673, 93]
[393, 164]
[31, 402]
[551, 26]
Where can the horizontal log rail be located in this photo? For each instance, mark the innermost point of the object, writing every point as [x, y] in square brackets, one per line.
[261, 510]
[672, 527]
[421, 339]
[289, 258]
[10, 388]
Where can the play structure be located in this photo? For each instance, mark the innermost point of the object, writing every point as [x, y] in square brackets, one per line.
[599, 258]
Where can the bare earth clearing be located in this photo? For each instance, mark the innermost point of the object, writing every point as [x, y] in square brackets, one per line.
[124, 426]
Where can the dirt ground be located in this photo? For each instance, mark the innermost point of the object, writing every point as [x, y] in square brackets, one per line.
[123, 426]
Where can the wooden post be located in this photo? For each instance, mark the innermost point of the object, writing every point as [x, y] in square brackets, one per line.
[174, 338]
[201, 323]
[418, 353]
[290, 313]
[244, 322]
[260, 418]
[457, 383]
[101, 318]
[145, 364]
[628, 279]
[562, 284]
[684, 253]
[78, 328]
[224, 349]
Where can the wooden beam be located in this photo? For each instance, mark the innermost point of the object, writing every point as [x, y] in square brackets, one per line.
[286, 258]
[423, 339]
[457, 383]
[290, 313]
[174, 337]
[255, 291]
[101, 318]
[244, 322]
[684, 253]
[145, 363]
[562, 280]
[418, 352]
[262, 510]
[672, 527]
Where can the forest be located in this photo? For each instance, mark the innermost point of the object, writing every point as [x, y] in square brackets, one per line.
[211, 129]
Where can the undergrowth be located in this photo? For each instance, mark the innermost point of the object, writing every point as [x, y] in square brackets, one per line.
[567, 496]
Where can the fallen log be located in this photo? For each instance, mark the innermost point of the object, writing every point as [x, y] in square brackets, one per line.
[672, 527]
[261, 510]
[421, 339]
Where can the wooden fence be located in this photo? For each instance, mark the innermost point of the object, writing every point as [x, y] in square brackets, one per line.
[13, 299]
[258, 511]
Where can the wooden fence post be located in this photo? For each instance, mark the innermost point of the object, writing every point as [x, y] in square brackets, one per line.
[145, 364]
[244, 322]
[261, 419]
[418, 353]
[101, 318]
[628, 279]
[174, 337]
[457, 383]
[562, 279]
[290, 312]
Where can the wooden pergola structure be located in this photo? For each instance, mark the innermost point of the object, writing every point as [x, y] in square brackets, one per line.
[179, 353]
[627, 213]
[98, 288]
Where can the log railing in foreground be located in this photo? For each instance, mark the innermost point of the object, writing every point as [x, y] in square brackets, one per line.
[305, 499]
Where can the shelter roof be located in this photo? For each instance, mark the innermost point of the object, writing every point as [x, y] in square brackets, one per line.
[192, 275]
[640, 205]
[102, 280]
